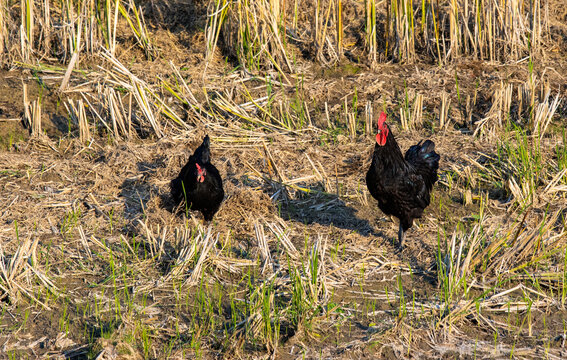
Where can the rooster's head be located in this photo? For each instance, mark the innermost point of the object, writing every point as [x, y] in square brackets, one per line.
[201, 173]
[383, 130]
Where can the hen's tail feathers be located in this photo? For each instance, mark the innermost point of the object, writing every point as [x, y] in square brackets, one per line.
[203, 152]
[424, 158]
[206, 141]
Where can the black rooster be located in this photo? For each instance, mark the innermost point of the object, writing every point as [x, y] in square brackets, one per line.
[199, 183]
[401, 186]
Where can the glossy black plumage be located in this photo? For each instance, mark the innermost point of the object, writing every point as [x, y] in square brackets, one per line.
[402, 185]
[201, 181]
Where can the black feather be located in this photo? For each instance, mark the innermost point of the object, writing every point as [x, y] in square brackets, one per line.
[205, 196]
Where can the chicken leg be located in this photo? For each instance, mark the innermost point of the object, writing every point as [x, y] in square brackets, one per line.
[401, 237]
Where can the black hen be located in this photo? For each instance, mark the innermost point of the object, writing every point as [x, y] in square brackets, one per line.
[199, 183]
[401, 185]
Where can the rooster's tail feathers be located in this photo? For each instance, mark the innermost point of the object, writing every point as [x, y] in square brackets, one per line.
[428, 154]
[423, 153]
[425, 160]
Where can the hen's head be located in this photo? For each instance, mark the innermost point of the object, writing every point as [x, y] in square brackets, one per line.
[201, 173]
[383, 130]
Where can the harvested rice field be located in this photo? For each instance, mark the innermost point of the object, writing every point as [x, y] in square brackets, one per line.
[103, 102]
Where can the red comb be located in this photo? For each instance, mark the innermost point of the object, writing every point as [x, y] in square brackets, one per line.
[382, 119]
[383, 130]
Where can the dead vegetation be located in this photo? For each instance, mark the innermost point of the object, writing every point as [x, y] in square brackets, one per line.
[102, 102]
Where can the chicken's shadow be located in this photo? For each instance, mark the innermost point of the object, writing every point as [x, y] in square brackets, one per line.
[137, 191]
[315, 206]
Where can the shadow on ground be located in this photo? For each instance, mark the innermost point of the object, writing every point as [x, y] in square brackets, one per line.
[136, 192]
[325, 209]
